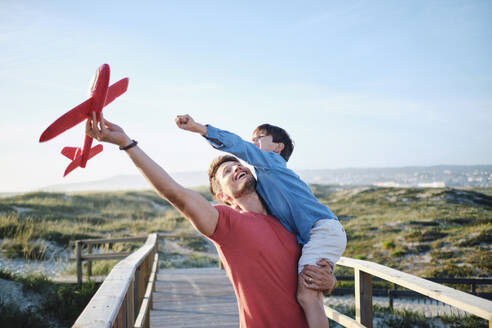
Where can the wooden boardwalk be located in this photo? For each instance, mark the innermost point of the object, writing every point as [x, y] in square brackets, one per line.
[193, 298]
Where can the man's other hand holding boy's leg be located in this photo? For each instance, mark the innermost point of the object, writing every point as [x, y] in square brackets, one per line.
[319, 277]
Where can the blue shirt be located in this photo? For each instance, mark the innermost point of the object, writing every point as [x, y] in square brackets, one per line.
[287, 197]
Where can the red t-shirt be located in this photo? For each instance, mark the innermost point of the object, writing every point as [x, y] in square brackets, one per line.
[260, 258]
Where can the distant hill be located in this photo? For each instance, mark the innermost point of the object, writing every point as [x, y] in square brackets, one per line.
[411, 176]
[128, 182]
[416, 176]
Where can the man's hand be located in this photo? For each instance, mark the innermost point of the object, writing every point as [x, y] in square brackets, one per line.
[319, 277]
[186, 122]
[104, 130]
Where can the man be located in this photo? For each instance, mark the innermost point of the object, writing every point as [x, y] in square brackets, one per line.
[259, 255]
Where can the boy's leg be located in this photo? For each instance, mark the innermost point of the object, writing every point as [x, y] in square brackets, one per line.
[327, 241]
[311, 302]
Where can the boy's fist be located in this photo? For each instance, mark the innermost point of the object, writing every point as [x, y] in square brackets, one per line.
[186, 122]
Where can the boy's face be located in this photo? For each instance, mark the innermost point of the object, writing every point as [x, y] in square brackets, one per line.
[265, 142]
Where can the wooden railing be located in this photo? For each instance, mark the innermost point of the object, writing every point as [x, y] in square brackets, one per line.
[365, 270]
[394, 292]
[89, 244]
[122, 292]
[89, 257]
[124, 299]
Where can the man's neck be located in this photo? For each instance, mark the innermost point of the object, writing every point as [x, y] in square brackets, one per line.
[251, 202]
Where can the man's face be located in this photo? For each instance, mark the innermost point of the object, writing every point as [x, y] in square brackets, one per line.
[265, 142]
[235, 180]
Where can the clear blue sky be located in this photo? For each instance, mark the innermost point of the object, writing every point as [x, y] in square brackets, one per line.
[356, 83]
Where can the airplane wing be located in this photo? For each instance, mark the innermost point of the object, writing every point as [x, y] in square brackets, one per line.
[116, 90]
[68, 120]
[76, 162]
[71, 152]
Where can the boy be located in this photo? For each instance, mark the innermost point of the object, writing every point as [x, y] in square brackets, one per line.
[288, 199]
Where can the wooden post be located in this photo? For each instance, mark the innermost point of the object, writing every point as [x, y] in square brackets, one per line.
[363, 298]
[130, 309]
[89, 263]
[79, 262]
[390, 296]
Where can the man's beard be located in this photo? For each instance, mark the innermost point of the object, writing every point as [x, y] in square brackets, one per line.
[248, 187]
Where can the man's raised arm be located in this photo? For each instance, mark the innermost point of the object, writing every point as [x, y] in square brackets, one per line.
[194, 206]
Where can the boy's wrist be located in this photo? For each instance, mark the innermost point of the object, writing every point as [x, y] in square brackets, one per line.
[202, 129]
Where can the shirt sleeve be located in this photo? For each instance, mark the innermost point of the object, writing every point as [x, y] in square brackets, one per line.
[225, 224]
[232, 143]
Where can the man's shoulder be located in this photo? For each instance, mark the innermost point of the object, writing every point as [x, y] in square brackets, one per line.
[223, 208]
[227, 213]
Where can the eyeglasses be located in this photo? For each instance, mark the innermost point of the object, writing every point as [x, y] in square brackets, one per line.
[257, 138]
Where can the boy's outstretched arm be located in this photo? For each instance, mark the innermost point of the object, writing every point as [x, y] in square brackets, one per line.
[194, 207]
[231, 143]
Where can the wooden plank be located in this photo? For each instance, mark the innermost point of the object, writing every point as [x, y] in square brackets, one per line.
[130, 315]
[461, 300]
[144, 307]
[342, 319]
[105, 256]
[363, 298]
[201, 297]
[111, 240]
[142, 314]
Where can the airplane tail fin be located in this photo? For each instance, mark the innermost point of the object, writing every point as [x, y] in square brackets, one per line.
[71, 152]
[67, 151]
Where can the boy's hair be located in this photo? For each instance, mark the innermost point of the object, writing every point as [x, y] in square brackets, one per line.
[212, 170]
[278, 135]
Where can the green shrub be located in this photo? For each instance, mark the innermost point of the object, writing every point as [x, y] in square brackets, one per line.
[421, 248]
[451, 271]
[484, 237]
[398, 252]
[388, 244]
[61, 302]
[65, 302]
[13, 317]
[438, 254]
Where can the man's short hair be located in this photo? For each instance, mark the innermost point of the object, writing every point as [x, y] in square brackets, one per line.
[278, 135]
[212, 170]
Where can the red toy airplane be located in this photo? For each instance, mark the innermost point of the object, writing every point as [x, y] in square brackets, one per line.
[100, 96]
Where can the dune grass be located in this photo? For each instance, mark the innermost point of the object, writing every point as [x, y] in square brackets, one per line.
[427, 232]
